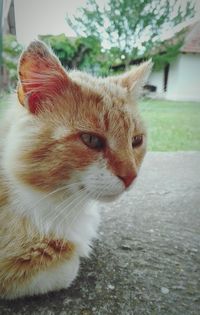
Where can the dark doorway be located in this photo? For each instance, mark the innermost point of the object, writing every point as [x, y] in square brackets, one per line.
[166, 74]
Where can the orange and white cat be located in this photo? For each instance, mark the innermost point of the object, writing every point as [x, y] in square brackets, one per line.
[67, 141]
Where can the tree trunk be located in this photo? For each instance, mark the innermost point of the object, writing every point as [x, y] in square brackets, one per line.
[7, 26]
[1, 46]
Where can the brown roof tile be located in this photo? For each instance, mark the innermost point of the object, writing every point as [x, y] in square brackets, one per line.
[192, 40]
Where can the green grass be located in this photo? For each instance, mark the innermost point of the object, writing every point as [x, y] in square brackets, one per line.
[172, 126]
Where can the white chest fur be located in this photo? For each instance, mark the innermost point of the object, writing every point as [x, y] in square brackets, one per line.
[72, 220]
[79, 229]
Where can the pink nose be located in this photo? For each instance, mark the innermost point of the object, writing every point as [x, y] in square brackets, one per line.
[128, 179]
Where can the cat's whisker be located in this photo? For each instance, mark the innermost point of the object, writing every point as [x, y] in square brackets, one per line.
[49, 214]
[71, 197]
[60, 213]
[75, 217]
[64, 205]
[85, 197]
[64, 209]
[69, 215]
[54, 192]
[107, 187]
[69, 201]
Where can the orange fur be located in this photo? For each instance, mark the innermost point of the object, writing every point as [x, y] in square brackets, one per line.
[18, 264]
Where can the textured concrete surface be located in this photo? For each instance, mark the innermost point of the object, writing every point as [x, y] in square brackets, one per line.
[147, 259]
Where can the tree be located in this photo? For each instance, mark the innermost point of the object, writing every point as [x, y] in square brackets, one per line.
[11, 53]
[168, 51]
[1, 45]
[7, 28]
[82, 53]
[129, 28]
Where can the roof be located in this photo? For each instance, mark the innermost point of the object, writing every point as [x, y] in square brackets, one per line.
[188, 35]
[192, 40]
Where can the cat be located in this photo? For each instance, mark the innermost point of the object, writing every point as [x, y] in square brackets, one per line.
[67, 141]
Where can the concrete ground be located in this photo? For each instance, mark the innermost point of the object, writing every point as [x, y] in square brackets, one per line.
[147, 259]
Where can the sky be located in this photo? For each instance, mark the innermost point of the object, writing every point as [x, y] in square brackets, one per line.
[41, 17]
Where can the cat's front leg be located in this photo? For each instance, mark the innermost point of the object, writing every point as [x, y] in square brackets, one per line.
[43, 266]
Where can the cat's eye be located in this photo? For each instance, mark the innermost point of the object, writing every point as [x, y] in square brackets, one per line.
[92, 141]
[137, 141]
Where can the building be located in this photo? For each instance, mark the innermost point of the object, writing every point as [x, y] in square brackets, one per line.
[180, 80]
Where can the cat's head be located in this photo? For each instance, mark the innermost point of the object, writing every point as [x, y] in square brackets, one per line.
[76, 130]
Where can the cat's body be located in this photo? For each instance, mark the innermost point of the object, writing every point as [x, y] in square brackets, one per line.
[75, 140]
[23, 240]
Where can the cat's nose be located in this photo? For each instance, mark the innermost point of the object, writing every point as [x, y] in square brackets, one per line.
[128, 179]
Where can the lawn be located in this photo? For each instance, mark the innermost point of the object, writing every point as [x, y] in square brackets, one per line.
[172, 126]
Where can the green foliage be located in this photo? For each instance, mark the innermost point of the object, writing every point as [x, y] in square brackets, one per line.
[88, 50]
[84, 53]
[11, 52]
[169, 54]
[129, 28]
[62, 46]
[79, 53]
[166, 52]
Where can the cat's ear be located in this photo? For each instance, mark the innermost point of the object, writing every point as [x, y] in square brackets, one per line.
[135, 79]
[41, 77]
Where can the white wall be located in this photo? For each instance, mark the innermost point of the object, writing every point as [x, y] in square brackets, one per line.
[157, 79]
[184, 78]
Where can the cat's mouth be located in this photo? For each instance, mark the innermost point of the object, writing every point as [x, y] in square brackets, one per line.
[101, 194]
[110, 198]
[104, 197]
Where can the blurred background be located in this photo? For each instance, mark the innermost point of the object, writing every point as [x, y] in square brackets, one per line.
[106, 37]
